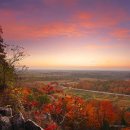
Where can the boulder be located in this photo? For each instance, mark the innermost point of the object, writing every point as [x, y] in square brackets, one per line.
[30, 125]
[17, 122]
[5, 123]
[5, 111]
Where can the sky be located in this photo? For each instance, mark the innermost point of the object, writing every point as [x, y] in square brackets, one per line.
[69, 34]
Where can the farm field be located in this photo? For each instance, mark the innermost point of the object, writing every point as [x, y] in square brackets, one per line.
[121, 101]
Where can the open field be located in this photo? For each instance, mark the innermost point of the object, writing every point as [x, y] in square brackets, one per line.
[121, 101]
[95, 84]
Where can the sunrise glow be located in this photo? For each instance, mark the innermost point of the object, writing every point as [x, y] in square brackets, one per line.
[69, 34]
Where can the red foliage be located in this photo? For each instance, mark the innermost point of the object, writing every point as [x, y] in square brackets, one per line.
[70, 111]
[52, 126]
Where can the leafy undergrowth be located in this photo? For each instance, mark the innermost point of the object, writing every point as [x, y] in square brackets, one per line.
[52, 109]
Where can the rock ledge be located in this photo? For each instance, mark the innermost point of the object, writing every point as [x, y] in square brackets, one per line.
[15, 122]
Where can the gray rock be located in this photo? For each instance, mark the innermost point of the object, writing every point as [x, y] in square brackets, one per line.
[5, 123]
[18, 122]
[5, 111]
[30, 125]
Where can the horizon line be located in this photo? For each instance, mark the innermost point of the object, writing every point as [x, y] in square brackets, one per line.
[77, 69]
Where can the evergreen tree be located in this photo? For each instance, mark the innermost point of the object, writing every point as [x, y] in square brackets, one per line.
[105, 125]
[2, 47]
[3, 62]
[8, 64]
[6, 69]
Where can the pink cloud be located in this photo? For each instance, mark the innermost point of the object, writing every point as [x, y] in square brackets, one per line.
[14, 29]
[121, 33]
[82, 24]
[102, 20]
[98, 46]
[6, 15]
[84, 16]
[105, 39]
[23, 31]
[55, 2]
[104, 46]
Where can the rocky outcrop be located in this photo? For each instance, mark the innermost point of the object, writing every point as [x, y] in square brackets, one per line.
[5, 123]
[18, 122]
[15, 122]
[6, 111]
[30, 125]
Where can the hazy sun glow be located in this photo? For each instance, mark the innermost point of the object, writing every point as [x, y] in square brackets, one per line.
[68, 34]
